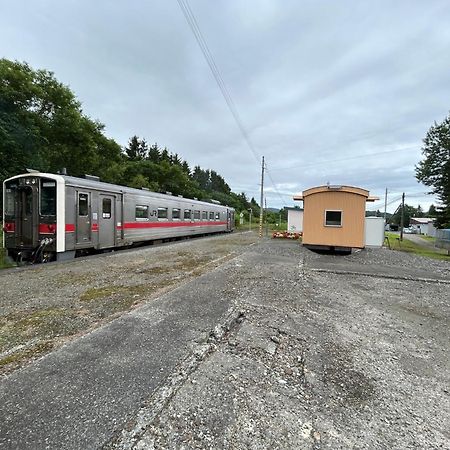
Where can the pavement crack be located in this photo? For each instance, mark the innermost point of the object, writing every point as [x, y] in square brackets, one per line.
[128, 437]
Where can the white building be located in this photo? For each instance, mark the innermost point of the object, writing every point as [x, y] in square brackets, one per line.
[295, 220]
[423, 225]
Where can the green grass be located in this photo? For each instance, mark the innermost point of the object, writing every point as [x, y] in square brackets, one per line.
[411, 247]
[427, 238]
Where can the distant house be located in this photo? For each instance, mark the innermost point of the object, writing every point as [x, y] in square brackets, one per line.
[295, 219]
[334, 217]
[423, 225]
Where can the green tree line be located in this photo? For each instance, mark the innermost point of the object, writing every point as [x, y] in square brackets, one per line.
[43, 126]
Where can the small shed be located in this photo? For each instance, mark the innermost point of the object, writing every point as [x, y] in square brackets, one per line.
[295, 220]
[334, 217]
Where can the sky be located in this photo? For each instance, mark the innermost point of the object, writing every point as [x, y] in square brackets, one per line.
[338, 92]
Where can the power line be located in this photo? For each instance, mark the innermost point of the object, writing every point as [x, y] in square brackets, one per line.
[201, 41]
[346, 158]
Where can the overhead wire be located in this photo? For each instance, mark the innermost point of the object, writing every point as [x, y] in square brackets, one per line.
[201, 41]
[364, 155]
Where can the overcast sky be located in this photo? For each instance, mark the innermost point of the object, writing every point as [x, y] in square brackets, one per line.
[317, 84]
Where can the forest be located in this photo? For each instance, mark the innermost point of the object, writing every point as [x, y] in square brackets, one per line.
[43, 127]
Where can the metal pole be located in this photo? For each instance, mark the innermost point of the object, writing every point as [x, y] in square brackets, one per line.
[250, 223]
[402, 217]
[385, 205]
[261, 212]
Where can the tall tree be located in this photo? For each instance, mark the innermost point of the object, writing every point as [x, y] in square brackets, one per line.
[154, 154]
[434, 169]
[42, 126]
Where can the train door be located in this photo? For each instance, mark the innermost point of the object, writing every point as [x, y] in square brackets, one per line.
[27, 232]
[83, 219]
[107, 221]
[229, 214]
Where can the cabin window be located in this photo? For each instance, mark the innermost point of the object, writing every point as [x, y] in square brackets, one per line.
[106, 208]
[83, 204]
[204, 215]
[217, 215]
[176, 213]
[162, 213]
[48, 198]
[211, 215]
[187, 214]
[196, 215]
[141, 212]
[333, 218]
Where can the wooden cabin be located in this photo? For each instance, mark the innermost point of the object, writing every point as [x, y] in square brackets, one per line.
[334, 217]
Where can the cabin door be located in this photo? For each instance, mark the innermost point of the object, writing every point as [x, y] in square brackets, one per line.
[83, 220]
[107, 221]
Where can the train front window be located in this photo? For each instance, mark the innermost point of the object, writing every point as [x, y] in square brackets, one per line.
[48, 198]
[10, 199]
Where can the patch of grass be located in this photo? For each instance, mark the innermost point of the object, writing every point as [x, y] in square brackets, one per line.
[21, 327]
[14, 360]
[92, 294]
[427, 238]
[411, 247]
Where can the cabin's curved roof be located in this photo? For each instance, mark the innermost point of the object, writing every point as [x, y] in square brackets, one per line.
[334, 188]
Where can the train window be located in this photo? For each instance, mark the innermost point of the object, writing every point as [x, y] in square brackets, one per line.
[196, 215]
[204, 215]
[211, 215]
[187, 214]
[48, 198]
[106, 208]
[176, 213]
[10, 194]
[83, 204]
[141, 212]
[162, 213]
[217, 215]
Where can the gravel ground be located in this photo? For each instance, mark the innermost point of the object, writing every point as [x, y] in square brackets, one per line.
[312, 354]
[315, 361]
[43, 307]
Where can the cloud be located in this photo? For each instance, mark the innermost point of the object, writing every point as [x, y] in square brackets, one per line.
[318, 85]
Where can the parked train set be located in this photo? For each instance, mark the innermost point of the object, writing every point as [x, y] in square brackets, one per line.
[51, 217]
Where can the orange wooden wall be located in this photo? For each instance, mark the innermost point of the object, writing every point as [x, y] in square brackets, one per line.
[353, 207]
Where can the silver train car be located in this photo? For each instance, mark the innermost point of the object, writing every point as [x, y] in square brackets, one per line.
[57, 217]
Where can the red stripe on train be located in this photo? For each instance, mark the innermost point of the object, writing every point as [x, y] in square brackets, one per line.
[70, 227]
[140, 225]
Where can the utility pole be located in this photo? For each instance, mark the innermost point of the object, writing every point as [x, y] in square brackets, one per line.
[267, 225]
[402, 217]
[385, 205]
[261, 212]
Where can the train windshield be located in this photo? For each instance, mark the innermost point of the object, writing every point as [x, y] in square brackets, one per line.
[48, 197]
[10, 198]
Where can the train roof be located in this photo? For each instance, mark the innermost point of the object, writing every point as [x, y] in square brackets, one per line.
[92, 183]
